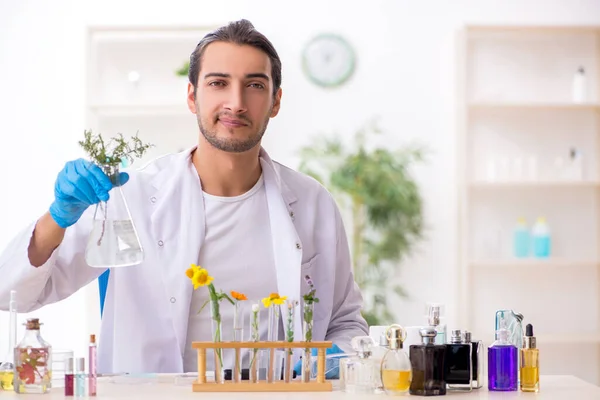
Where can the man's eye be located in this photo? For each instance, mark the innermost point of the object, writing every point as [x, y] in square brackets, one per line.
[216, 83]
[257, 85]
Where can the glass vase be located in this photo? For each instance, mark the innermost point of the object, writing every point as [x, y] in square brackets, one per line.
[290, 311]
[307, 334]
[33, 361]
[254, 337]
[114, 241]
[217, 336]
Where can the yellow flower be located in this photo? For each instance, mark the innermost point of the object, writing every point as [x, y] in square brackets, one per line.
[198, 276]
[238, 296]
[273, 298]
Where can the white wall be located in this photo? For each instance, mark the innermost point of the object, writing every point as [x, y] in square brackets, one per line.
[406, 73]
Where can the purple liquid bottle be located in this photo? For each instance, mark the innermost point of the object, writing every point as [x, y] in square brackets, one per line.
[503, 362]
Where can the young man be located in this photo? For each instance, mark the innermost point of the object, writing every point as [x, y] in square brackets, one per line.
[255, 225]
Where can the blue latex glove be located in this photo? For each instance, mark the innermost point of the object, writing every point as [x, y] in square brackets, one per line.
[332, 365]
[79, 185]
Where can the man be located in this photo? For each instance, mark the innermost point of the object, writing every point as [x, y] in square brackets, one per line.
[255, 225]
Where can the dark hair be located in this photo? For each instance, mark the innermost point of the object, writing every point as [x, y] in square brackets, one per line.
[240, 32]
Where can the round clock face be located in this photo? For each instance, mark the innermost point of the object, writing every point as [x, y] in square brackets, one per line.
[328, 60]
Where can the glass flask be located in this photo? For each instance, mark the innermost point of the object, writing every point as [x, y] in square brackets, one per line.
[33, 361]
[114, 241]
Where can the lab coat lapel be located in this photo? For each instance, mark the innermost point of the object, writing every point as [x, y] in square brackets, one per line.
[178, 226]
[287, 248]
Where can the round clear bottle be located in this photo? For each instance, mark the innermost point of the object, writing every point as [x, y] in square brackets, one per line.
[396, 370]
[33, 361]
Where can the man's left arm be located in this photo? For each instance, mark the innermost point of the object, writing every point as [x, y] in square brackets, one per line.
[346, 318]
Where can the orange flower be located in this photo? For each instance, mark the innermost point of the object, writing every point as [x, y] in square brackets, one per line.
[238, 296]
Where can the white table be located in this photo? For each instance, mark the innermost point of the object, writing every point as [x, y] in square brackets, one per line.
[165, 387]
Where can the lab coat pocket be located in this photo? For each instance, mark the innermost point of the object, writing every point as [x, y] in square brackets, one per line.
[311, 268]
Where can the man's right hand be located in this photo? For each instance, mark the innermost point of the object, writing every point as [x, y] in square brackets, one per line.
[79, 185]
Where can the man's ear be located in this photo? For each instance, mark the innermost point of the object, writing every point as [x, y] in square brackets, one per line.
[276, 103]
[191, 98]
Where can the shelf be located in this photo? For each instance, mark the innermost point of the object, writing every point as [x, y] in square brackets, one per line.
[533, 184]
[534, 262]
[149, 109]
[534, 106]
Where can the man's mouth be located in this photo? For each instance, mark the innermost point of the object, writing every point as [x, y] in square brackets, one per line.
[232, 122]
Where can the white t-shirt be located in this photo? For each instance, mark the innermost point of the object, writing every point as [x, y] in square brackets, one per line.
[238, 253]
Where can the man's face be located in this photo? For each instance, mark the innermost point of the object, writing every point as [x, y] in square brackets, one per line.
[234, 98]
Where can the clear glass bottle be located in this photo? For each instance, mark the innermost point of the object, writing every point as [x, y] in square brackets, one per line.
[7, 366]
[435, 318]
[459, 362]
[377, 354]
[428, 365]
[477, 360]
[114, 241]
[357, 373]
[503, 362]
[33, 361]
[530, 362]
[396, 371]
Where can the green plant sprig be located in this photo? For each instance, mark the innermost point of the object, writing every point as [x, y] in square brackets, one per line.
[110, 154]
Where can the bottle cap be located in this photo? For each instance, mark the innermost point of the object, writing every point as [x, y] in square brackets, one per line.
[33, 324]
[467, 337]
[456, 336]
[362, 345]
[434, 313]
[395, 336]
[428, 334]
[92, 338]
[70, 365]
[80, 364]
[529, 341]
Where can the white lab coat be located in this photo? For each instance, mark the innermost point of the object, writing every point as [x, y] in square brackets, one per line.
[145, 318]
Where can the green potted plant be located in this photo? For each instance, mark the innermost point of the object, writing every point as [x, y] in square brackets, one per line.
[375, 189]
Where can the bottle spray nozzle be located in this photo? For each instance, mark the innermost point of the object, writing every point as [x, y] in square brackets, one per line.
[529, 341]
[395, 336]
[362, 345]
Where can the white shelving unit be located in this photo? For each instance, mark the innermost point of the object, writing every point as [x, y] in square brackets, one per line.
[517, 118]
[153, 106]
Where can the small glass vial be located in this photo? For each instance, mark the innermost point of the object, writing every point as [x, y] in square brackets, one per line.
[477, 360]
[428, 365]
[459, 363]
[530, 362]
[70, 377]
[80, 378]
[396, 371]
[33, 361]
[503, 362]
[357, 373]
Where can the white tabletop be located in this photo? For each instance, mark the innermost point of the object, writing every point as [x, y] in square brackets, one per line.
[166, 387]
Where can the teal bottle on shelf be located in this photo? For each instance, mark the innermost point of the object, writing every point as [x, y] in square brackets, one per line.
[542, 243]
[522, 239]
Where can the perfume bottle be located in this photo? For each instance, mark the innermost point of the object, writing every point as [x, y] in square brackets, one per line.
[530, 360]
[396, 371]
[80, 378]
[357, 373]
[7, 365]
[435, 319]
[459, 362]
[377, 354]
[477, 360]
[428, 368]
[33, 361]
[503, 361]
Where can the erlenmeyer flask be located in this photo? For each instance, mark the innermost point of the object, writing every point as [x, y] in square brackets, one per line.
[114, 241]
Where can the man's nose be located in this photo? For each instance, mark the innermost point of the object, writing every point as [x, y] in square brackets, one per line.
[236, 100]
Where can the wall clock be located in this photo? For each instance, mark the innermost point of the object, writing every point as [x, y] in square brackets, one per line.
[328, 60]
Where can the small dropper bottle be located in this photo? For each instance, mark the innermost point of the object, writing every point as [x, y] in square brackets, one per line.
[530, 359]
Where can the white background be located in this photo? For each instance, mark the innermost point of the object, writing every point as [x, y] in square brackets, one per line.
[406, 73]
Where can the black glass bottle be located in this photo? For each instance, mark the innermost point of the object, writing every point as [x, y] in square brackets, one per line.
[477, 357]
[428, 365]
[459, 362]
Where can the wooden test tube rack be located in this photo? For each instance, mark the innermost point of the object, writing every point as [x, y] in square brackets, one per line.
[320, 385]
